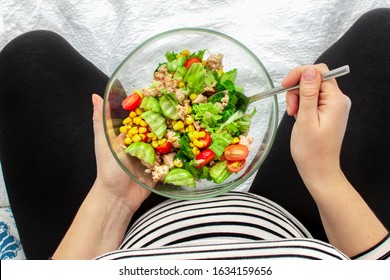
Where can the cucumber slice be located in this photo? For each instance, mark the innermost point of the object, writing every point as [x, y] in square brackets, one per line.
[142, 151]
[219, 172]
[180, 177]
[149, 103]
[156, 121]
[168, 103]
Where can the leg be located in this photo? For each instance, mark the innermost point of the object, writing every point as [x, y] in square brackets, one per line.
[46, 136]
[365, 156]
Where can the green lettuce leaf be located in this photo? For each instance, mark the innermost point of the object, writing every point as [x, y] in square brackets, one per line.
[170, 56]
[219, 172]
[220, 142]
[175, 64]
[185, 148]
[180, 177]
[168, 103]
[199, 54]
[229, 76]
[207, 113]
[194, 78]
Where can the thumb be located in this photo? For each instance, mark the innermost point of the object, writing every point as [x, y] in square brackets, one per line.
[98, 129]
[309, 89]
[97, 102]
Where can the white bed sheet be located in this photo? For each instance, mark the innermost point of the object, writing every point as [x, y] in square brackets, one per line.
[282, 33]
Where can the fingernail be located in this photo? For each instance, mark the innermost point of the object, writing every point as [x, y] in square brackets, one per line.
[310, 74]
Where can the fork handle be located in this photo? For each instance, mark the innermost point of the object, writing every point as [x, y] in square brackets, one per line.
[338, 72]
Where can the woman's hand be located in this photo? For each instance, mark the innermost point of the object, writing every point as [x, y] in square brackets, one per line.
[110, 176]
[104, 215]
[321, 112]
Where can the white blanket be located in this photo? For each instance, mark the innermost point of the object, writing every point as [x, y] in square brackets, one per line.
[282, 33]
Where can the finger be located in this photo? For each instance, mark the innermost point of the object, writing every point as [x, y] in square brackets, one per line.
[308, 94]
[293, 77]
[292, 101]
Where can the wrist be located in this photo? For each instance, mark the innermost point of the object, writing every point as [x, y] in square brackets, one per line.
[114, 205]
[323, 180]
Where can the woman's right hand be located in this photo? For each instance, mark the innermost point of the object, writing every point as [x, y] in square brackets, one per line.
[321, 111]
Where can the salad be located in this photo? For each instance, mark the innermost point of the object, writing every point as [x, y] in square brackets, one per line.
[190, 123]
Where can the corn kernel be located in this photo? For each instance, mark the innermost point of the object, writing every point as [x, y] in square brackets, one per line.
[151, 135]
[142, 129]
[134, 130]
[136, 120]
[195, 151]
[189, 110]
[177, 162]
[139, 111]
[179, 55]
[129, 134]
[204, 62]
[220, 72]
[235, 140]
[139, 93]
[127, 120]
[190, 128]
[192, 144]
[123, 129]
[143, 123]
[179, 125]
[136, 138]
[162, 141]
[185, 52]
[202, 134]
[181, 84]
[132, 114]
[195, 134]
[154, 144]
[198, 143]
[189, 120]
[191, 135]
[128, 141]
[193, 96]
[143, 136]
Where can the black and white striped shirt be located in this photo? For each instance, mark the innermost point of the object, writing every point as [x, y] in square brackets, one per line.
[231, 226]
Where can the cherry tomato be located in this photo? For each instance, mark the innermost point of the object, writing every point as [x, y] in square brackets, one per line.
[131, 102]
[191, 61]
[164, 148]
[206, 140]
[236, 152]
[235, 166]
[204, 158]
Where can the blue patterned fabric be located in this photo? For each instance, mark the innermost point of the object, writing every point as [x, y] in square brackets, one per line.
[10, 245]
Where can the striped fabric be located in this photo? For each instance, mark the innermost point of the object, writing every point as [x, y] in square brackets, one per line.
[231, 226]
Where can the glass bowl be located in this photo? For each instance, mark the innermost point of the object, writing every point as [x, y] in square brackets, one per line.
[136, 72]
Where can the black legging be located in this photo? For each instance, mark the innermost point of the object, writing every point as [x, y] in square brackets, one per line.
[46, 136]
